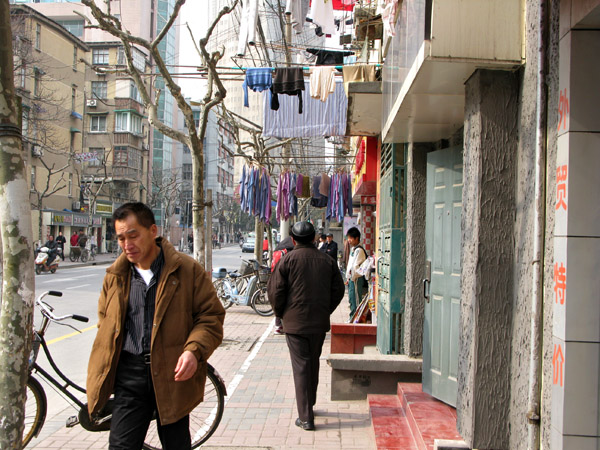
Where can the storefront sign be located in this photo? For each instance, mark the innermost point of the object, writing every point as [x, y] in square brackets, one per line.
[61, 219]
[104, 209]
[80, 220]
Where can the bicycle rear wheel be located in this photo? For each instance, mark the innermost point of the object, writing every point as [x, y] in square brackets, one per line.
[225, 300]
[204, 419]
[35, 410]
[260, 302]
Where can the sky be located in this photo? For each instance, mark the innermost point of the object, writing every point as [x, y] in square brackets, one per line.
[193, 13]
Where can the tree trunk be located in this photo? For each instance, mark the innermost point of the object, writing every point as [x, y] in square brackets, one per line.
[17, 256]
[198, 203]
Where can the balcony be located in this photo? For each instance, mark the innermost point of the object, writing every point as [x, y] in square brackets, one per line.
[125, 138]
[437, 47]
[129, 104]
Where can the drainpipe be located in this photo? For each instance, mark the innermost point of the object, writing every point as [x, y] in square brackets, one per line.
[534, 390]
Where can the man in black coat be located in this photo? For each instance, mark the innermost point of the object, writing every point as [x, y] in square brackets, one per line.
[330, 247]
[305, 288]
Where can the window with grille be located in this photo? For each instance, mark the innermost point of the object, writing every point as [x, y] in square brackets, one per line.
[100, 56]
[98, 123]
[99, 89]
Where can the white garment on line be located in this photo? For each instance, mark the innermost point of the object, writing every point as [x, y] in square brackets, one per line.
[247, 26]
[298, 9]
[322, 82]
[321, 12]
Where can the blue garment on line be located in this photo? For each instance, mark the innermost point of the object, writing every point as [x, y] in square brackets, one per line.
[257, 79]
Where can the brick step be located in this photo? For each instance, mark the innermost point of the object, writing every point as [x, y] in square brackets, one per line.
[413, 420]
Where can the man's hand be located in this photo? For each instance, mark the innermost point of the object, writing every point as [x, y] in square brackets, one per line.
[186, 366]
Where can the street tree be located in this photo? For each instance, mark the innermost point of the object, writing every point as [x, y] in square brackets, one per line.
[105, 20]
[16, 307]
[166, 194]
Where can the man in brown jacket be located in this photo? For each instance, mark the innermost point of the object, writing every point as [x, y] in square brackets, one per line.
[159, 321]
[305, 288]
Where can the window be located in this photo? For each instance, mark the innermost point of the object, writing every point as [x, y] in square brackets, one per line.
[33, 174]
[38, 36]
[37, 83]
[134, 93]
[74, 57]
[99, 89]
[70, 186]
[128, 122]
[73, 97]
[23, 76]
[98, 123]
[121, 61]
[95, 156]
[100, 56]
[120, 156]
[75, 27]
[187, 172]
[139, 60]
[25, 121]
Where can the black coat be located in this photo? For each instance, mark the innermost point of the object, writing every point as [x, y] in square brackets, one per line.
[305, 288]
[331, 249]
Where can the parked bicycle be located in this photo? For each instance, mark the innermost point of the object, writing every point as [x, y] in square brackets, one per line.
[204, 419]
[246, 288]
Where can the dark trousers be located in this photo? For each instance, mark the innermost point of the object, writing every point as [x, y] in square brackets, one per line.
[134, 407]
[305, 351]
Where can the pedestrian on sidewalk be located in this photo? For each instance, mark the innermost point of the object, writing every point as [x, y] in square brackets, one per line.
[159, 321]
[357, 284]
[304, 290]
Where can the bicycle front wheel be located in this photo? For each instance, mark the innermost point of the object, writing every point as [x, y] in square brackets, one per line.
[260, 302]
[84, 256]
[220, 288]
[35, 410]
[204, 419]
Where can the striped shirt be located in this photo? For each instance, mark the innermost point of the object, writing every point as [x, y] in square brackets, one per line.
[140, 309]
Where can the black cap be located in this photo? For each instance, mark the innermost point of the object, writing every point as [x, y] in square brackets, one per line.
[329, 234]
[302, 230]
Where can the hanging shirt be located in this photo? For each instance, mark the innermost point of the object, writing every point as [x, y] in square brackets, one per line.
[324, 186]
[248, 24]
[257, 79]
[321, 12]
[317, 200]
[288, 81]
[243, 187]
[329, 57]
[297, 9]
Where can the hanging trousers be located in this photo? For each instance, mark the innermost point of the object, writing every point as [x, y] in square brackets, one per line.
[134, 407]
[305, 351]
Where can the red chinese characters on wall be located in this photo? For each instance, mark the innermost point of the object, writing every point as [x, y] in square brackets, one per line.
[558, 361]
[560, 283]
[563, 109]
[561, 187]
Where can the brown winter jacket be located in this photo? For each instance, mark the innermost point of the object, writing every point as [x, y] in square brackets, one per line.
[188, 316]
[305, 288]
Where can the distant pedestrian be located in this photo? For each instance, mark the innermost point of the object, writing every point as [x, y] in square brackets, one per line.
[305, 288]
[357, 284]
[60, 243]
[74, 239]
[330, 247]
[322, 242]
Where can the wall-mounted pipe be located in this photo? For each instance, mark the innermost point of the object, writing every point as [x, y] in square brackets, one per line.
[535, 356]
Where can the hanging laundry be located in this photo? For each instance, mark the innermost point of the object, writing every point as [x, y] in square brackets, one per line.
[299, 183]
[322, 82]
[388, 15]
[297, 9]
[343, 5]
[329, 57]
[359, 72]
[319, 119]
[288, 81]
[360, 157]
[321, 12]
[324, 186]
[317, 200]
[257, 79]
[305, 187]
[247, 26]
[255, 193]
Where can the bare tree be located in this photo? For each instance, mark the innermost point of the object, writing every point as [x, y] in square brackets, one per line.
[16, 308]
[216, 92]
[166, 193]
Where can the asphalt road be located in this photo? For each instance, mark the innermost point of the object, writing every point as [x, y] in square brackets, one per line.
[70, 348]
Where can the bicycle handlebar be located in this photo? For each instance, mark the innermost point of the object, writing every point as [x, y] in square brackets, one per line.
[46, 309]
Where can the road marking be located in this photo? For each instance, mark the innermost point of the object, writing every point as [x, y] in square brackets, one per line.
[75, 333]
[244, 368]
[77, 287]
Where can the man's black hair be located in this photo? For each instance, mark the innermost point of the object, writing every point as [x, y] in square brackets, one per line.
[323, 236]
[143, 213]
[305, 239]
[353, 233]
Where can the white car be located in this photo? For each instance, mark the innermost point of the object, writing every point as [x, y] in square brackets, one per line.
[248, 246]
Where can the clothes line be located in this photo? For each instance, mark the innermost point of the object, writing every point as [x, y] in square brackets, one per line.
[305, 68]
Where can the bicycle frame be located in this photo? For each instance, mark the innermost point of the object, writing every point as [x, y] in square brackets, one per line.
[242, 298]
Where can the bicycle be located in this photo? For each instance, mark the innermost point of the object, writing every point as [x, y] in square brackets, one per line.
[204, 419]
[79, 253]
[248, 288]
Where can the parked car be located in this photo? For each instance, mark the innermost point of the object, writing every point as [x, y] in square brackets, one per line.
[248, 245]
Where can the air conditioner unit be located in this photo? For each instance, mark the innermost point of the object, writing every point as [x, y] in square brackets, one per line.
[36, 151]
[91, 102]
[76, 206]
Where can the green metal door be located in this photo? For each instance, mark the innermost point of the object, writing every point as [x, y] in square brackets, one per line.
[391, 263]
[442, 285]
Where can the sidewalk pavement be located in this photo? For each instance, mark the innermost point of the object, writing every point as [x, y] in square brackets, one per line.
[261, 408]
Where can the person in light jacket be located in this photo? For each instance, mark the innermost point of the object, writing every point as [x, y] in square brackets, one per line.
[159, 321]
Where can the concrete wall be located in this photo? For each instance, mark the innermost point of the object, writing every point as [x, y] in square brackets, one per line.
[490, 142]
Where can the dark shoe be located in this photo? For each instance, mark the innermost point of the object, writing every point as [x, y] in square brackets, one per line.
[308, 426]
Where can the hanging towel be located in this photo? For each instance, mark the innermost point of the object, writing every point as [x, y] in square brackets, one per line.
[324, 186]
[288, 81]
[257, 79]
[360, 72]
[247, 26]
[329, 57]
[305, 187]
[299, 184]
[322, 82]
[317, 200]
